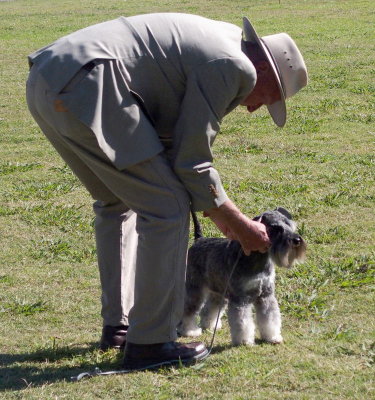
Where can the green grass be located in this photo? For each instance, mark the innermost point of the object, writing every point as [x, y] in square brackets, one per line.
[320, 167]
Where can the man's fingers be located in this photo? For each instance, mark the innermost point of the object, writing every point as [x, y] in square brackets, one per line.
[247, 252]
[264, 249]
[261, 249]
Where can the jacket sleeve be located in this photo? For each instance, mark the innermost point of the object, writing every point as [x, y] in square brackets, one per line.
[212, 90]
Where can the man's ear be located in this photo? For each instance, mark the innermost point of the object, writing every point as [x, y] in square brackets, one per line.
[285, 212]
[262, 67]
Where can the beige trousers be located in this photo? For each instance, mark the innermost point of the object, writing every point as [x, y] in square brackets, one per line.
[142, 223]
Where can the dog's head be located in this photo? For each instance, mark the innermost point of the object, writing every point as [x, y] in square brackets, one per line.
[287, 246]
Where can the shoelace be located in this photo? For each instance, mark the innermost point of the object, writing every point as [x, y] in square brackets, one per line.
[98, 372]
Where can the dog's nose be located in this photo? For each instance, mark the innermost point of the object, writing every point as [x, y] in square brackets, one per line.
[297, 241]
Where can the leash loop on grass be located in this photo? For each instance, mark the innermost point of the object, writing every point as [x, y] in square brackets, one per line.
[84, 375]
[98, 372]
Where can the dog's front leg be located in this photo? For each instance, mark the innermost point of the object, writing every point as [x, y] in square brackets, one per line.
[268, 319]
[241, 324]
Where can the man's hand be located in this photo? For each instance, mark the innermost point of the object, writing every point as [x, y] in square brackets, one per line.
[252, 235]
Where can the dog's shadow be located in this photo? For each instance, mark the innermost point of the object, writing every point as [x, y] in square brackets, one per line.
[220, 348]
[20, 371]
[224, 347]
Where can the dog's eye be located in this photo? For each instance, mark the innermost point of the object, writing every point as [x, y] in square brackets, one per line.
[297, 241]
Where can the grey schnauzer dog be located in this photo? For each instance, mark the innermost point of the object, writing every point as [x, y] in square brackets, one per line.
[251, 284]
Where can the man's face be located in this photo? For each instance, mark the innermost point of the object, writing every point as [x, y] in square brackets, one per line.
[266, 90]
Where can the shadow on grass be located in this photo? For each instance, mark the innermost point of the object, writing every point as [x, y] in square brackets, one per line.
[220, 348]
[21, 371]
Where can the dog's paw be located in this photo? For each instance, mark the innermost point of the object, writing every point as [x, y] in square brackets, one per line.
[190, 332]
[277, 339]
[243, 342]
[210, 324]
[189, 328]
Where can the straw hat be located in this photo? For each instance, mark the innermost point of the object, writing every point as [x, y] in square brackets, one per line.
[287, 65]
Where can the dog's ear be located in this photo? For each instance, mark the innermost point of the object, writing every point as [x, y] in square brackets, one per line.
[285, 212]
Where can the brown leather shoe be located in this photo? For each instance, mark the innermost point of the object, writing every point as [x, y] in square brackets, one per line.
[113, 337]
[152, 356]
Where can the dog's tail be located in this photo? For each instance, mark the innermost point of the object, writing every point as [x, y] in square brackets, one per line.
[197, 227]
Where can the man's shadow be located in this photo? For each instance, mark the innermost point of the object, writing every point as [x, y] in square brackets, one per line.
[19, 371]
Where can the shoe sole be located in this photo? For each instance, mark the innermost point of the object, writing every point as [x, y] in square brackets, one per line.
[107, 347]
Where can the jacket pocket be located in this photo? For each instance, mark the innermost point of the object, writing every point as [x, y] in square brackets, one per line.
[78, 77]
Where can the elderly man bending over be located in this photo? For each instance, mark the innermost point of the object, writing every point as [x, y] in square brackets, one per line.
[133, 106]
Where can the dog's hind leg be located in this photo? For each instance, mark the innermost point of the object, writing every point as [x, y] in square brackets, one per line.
[268, 319]
[194, 300]
[241, 324]
[209, 314]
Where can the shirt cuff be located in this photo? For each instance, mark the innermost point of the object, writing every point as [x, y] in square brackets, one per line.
[205, 188]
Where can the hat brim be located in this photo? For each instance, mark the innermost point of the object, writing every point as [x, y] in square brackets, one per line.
[277, 110]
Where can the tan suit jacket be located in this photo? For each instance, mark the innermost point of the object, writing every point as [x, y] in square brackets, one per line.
[168, 75]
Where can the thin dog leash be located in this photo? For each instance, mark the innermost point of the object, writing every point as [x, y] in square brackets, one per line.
[98, 372]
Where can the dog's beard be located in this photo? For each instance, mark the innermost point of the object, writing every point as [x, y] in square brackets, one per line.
[289, 255]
